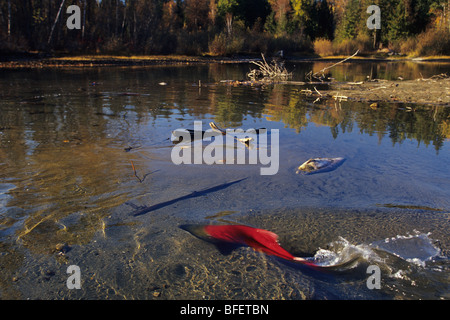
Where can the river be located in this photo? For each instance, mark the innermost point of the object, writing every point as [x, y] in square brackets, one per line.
[87, 179]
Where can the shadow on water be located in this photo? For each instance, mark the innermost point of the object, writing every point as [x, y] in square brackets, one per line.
[143, 210]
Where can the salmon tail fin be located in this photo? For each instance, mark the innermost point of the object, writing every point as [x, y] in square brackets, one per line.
[305, 262]
[299, 259]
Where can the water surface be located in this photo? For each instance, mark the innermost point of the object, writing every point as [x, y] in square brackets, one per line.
[86, 179]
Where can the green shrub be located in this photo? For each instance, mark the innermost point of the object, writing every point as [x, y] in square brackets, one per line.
[223, 45]
[290, 44]
[191, 43]
[218, 45]
[113, 45]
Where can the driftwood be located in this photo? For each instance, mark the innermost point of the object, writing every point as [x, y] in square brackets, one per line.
[269, 72]
[261, 82]
[136, 175]
[435, 77]
[311, 75]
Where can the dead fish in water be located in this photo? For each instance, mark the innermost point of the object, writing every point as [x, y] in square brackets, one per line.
[318, 165]
[238, 134]
[177, 135]
[243, 137]
[216, 128]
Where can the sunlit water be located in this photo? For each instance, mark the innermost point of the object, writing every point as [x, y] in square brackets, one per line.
[86, 179]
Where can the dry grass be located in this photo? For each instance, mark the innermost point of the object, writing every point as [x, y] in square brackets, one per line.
[114, 57]
[433, 43]
[327, 48]
[323, 47]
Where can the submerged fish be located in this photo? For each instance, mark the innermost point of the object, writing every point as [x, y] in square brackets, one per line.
[318, 165]
[228, 237]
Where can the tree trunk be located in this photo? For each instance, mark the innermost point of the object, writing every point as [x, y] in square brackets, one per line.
[375, 40]
[116, 23]
[9, 20]
[54, 23]
[83, 27]
[448, 18]
[229, 22]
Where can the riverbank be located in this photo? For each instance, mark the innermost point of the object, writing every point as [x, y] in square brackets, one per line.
[39, 61]
[112, 60]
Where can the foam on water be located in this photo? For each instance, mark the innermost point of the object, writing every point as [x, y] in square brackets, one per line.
[342, 251]
[416, 248]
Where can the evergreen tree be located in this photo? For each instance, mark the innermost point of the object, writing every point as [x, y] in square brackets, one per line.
[349, 25]
[324, 26]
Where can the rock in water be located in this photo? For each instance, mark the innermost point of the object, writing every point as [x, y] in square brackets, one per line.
[318, 165]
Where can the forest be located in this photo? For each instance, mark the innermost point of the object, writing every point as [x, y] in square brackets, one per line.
[225, 27]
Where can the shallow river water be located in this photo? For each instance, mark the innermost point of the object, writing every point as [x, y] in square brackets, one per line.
[87, 178]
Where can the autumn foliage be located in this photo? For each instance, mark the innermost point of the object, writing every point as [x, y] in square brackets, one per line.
[224, 27]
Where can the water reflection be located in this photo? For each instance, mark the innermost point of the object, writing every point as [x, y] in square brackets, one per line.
[363, 70]
[424, 124]
[64, 137]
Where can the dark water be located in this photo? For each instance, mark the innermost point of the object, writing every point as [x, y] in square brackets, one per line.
[86, 179]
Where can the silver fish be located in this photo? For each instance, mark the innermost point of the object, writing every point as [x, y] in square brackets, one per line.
[318, 165]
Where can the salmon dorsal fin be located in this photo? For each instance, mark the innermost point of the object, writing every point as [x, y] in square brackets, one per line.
[268, 234]
[267, 242]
